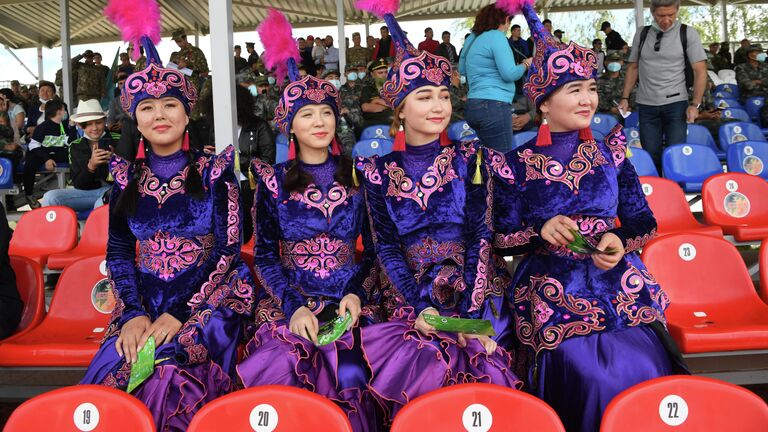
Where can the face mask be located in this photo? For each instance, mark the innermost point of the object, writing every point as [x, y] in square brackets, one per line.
[761, 57]
[613, 67]
[361, 75]
[336, 83]
[463, 79]
[43, 101]
[352, 76]
[253, 89]
[271, 80]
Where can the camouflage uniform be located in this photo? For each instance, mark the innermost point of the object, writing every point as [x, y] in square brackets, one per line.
[458, 99]
[358, 55]
[745, 73]
[265, 104]
[141, 63]
[610, 90]
[195, 61]
[88, 79]
[350, 99]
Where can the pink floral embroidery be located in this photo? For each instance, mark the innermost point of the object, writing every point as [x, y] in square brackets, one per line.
[437, 176]
[542, 312]
[320, 254]
[482, 279]
[162, 192]
[120, 171]
[617, 144]
[514, 239]
[156, 81]
[225, 287]
[220, 163]
[326, 203]
[632, 282]
[571, 58]
[315, 95]
[233, 214]
[368, 166]
[584, 317]
[156, 88]
[499, 166]
[434, 75]
[429, 251]
[310, 88]
[413, 69]
[447, 283]
[166, 255]
[586, 158]
[267, 174]
[638, 242]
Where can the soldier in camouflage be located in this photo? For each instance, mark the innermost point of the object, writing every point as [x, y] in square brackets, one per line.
[266, 99]
[610, 85]
[458, 91]
[350, 98]
[752, 76]
[345, 129]
[87, 77]
[358, 54]
[191, 57]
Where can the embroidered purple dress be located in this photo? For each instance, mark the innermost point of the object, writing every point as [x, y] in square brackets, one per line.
[590, 333]
[425, 227]
[304, 255]
[188, 266]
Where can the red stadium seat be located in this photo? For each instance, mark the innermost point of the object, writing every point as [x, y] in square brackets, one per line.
[82, 408]
[70, 334]
[477, 407]
[671, 209]
[93, 241]
[685, 404]
[45, 231]
[29, 282]
[736, 202]
[246, 252]
[764, 271]
[714, 306]
[273, 408]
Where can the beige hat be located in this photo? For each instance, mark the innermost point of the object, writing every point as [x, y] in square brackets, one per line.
[88, 110]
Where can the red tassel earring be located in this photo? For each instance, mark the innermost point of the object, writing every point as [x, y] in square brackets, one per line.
[586, 134]
[185, 143]
[399, 140]
[335, 147]
[291, 149]
[444, 140]
[140, 153]
[544, 138]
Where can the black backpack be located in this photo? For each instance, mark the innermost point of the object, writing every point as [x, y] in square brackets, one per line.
[683, 41]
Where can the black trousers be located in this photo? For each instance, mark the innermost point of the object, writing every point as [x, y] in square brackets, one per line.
[37, 157]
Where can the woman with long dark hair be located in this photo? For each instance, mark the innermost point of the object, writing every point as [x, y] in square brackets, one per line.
[187, 288]
[308, 215]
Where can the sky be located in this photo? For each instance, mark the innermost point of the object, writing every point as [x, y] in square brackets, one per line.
[11, 69]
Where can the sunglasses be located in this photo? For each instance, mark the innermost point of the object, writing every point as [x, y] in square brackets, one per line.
[657, 45]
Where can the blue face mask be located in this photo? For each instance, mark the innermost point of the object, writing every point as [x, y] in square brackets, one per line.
[361, 75]
[613, 67]
[253, 89]
[761, 57]
[271, 80]
[463, 79]
[336, 83]
[352, 76]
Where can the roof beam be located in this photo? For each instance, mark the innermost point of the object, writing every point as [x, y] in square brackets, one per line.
[83, 27]
[19, 2]
[187, 15]
[285, 11]
[22, 30]
[420, 8]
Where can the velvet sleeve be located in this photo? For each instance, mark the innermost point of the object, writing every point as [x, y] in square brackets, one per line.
[478, 235]
[267, 234]
[121, 260]
[638, 225]
[387, 240]
[365, 279]
[512, 235]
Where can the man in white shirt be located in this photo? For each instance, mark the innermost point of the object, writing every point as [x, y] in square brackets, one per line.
[331, 59]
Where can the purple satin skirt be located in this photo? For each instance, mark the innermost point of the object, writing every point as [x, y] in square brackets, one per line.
[406, 364]
[581, 376]
[336, 371]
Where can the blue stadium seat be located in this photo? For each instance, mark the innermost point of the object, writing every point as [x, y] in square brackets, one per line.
[737, 132]
[749, 157]
[282, 140]
[602, 125]
[689, 165]
[460, 131]
[753, 106]
[698, 134]
[727, 103]
[6, 174]
[371, 147]
[731, 89]
[281, 148]
[643, 162]
[520, 138]
[633, 136]
[632, 120]
[375, 132]
[736, 114]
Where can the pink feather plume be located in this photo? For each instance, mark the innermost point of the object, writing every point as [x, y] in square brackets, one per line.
[276, 35]
[135, 18]
[513, 7]
[379, 7]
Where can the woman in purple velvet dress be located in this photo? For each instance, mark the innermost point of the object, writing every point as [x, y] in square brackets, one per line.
[187, 287]
[591, 324]
[308, 215]
[429, 220]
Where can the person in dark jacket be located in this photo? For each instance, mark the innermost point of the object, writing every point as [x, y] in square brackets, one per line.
[613, 40]
[88, 157]
[10, 302]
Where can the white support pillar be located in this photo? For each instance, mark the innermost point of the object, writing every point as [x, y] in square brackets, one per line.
[66, 62]
[639, 18]
[197, 35]
[342, 48]
[723, 21]
[367, 28]
[39, 62]
[224, 119]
